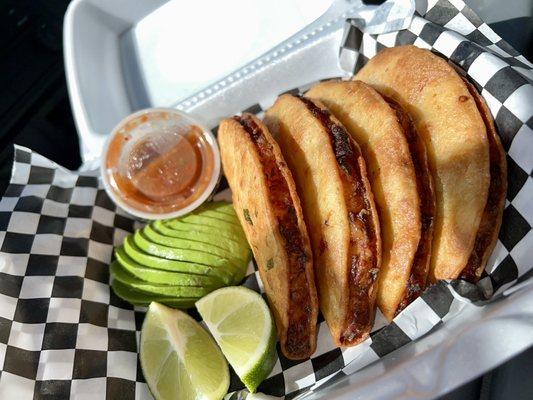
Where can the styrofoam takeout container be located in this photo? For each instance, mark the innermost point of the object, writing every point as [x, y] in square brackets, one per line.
[100, 60]
[107, 45]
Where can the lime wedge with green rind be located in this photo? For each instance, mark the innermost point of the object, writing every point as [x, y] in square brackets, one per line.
[158, 276]
[152, 261]
[179, 359]
[118, 273]
[138, 298]
[158, 238]
[238, 247]
[242, 325]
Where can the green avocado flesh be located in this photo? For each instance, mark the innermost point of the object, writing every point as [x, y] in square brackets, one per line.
[120, 274]
[195, 256]
[177, 243]
[163, 277]
[218, 224]
[217, 216]
[179, 260]
[151, 261]
[235, 234]
[221, 207]
[239, 248]
[144, 299]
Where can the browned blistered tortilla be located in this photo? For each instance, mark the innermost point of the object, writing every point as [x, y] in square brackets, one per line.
[447, 118]
[265, 199]
[401, 183]
[330, 176]
[491, 221]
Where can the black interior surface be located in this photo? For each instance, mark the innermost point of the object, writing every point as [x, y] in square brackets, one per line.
[34, 105]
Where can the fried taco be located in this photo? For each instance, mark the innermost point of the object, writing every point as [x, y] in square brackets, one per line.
[338, 205]
[401, 183]
[491, 220]
[268, 207]
[459, 143]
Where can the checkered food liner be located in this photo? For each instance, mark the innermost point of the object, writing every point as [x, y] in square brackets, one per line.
[63, 332]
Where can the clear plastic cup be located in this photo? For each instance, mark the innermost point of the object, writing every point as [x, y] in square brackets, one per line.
[160, 163]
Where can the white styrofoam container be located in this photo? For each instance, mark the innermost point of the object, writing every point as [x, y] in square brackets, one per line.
[116, 52]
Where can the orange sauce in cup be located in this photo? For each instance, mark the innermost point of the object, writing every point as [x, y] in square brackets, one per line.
[156, 163]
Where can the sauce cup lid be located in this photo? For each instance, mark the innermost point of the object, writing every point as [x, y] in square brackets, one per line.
[154, 157]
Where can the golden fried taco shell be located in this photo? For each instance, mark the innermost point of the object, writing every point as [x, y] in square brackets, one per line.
[491, 220]
[447, 118]
[401, 184]
[330, 176]
[268, 207]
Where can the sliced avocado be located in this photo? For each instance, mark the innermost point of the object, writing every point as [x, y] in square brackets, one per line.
[211, 237]
[230, 219]
[157, 238]
[215, 223]
[158, 276]
[118, 273]
[138, 298]
[151, 261]
[233, 234]
[222, 207]
[196, 256]
[239, 249]
[214, 213]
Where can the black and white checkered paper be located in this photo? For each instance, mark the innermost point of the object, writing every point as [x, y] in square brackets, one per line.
[64, 333]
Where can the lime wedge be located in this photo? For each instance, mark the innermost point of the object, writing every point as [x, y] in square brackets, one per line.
[179, 359]
[241, 323]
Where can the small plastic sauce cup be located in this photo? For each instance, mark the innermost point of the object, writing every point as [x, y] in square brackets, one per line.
[159, 163]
